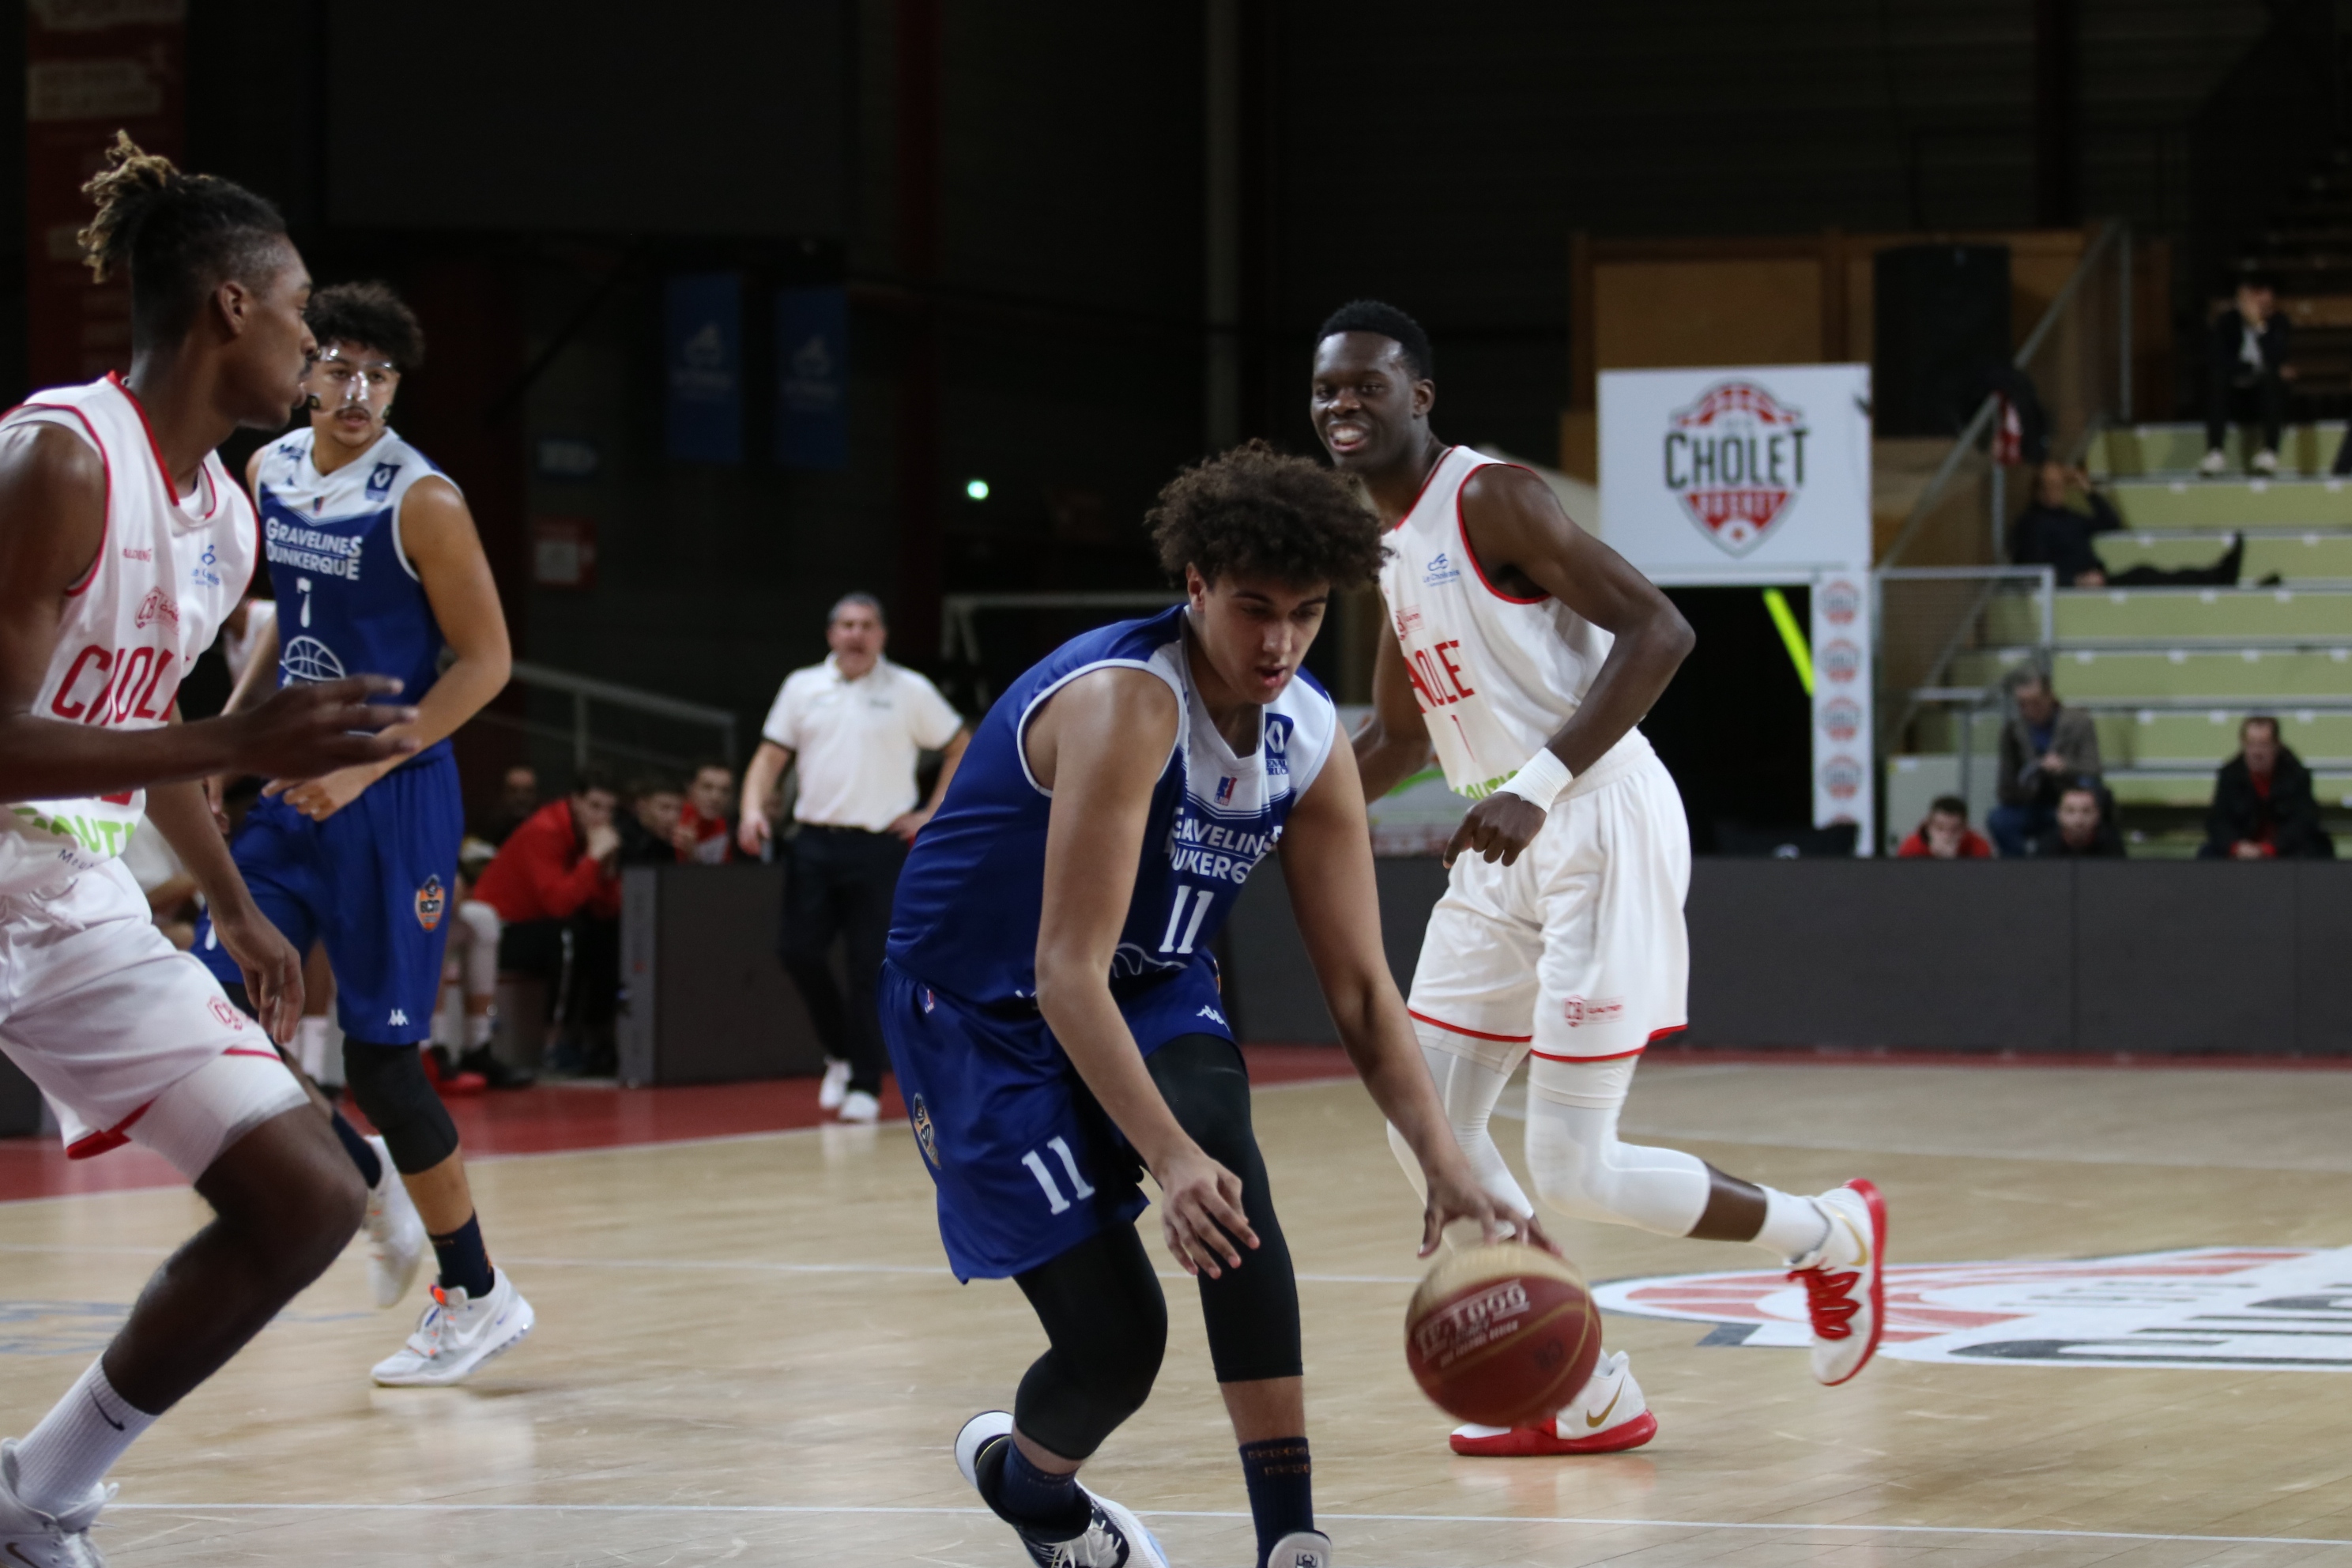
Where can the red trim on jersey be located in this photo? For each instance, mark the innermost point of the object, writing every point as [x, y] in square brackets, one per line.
[1613, 1057]
[1474, 1034]
[1426, 481]
[1657, 1034]
[170, 484]
[1462, 526]
[106, 511]
[91, 1144]
[253, 1051]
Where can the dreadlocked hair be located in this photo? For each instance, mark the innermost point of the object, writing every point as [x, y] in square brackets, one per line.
[178, 236]
[369, 314]
[1254, 512]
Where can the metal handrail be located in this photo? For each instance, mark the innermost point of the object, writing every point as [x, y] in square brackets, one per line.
[1981, 421]
[2045, 597]
[584, 689]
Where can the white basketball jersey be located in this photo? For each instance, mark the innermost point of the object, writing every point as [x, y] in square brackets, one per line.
[168, 572]
[1495, 675]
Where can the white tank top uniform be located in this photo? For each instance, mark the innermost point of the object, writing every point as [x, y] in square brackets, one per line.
[95, 1006]
[1577, 953]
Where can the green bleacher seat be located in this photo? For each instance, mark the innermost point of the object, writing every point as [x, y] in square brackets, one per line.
[2266, 675]
[2192, 502]
[2311, 556]
[2178, 449]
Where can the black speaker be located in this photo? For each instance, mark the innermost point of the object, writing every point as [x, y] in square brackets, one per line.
[1941, 316]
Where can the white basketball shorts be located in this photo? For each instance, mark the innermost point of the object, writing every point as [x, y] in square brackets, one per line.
[1577, 953]
[130, 1039]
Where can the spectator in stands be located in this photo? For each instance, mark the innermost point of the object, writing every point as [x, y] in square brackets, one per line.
[556, 887]
[2051, 532]
[2083, 828]
[706, 831]
[2264, 804]
[2246, 368]
[858, 723]
[518, 801]
[649, 828]
[1944, 835]
[2044, 748]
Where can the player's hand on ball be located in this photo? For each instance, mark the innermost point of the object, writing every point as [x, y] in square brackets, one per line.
[316, 728]
[273, 970]
[1200, 1213]
[1498, 828]
[1457, 1195]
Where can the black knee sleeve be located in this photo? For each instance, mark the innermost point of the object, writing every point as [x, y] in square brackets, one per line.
[388, 1083]
[1107, 1324]
[1253, 1312]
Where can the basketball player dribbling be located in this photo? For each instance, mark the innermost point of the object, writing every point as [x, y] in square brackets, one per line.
[1523, 652]
[1055, 1019]
[376, 565]
[124, 544]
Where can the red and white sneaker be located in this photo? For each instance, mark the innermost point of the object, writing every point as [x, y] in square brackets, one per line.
[1609, 1417]
[1843, 1280]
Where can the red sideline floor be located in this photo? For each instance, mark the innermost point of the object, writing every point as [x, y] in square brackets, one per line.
[557, 1117]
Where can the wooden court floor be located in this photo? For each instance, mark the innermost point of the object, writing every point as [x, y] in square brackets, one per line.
[749, 1351]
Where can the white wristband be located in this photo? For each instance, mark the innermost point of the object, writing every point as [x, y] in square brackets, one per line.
[1540, 779]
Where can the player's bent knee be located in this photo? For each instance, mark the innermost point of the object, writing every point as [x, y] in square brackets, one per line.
[389, 1085]
[1571, 1175]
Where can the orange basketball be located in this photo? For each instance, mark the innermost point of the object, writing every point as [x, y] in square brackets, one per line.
[1502, 1334]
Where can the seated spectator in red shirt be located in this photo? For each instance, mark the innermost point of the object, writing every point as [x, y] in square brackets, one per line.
[557, 889]
[706, 835]
[2085, 830]
[1944, 835]
[2264, 807]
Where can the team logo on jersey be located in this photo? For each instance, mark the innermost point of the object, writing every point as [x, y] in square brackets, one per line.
[1579, 1012]
[229, 1016]
[432, 903]
[1225, 792]
[379, 483]
[2281, 1308]
[1440, 570]
[927, 1136]
[157, 605]
[308, 658]
[1736, 458]
[205, 572]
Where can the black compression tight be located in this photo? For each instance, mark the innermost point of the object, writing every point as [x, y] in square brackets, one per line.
[1101, 1305]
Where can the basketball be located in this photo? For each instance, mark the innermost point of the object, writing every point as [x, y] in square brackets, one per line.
[1501, 1334]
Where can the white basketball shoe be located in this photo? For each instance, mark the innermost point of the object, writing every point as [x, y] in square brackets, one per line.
[457, 1334]
[396, 1234]
[1609, 1416]
[1113, 1538]
[1301, 1549]
[44, 1540]
[860, 1108]
[1845, 1281]
[836, 1086]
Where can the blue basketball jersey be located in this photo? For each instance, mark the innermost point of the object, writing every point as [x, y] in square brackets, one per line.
[971, 897]
[349, 603]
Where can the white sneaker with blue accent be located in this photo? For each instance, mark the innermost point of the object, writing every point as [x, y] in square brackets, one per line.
[1114, 1537]
[457, 1334]
[1301, 1549]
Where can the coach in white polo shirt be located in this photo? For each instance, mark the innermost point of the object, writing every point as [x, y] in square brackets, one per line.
[858, 723]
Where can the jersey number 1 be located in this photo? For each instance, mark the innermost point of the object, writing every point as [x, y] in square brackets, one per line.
[1176, 921]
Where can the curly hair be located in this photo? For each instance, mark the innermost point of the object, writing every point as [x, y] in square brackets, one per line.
[178, 236]
[368, 313]
[1254, 512]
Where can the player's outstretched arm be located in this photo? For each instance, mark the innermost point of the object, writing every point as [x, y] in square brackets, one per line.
[52, 523]
[1100, 744]
[1327, 860]
[1393, 744]
[438, 535]
[1521, 536]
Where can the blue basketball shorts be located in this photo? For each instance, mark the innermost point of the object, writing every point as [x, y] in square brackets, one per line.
[376, 883]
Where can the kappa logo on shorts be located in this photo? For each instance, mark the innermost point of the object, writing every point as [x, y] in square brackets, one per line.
[228, 1014]
[919, 1116]
[1579, 1012]
[432, 903]
[2281, 1308]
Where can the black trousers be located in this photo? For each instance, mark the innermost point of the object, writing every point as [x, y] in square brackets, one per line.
[838, 883]
[578, 959]
[2264, 400]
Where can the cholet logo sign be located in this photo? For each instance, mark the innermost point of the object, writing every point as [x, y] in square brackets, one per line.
[1736, 460]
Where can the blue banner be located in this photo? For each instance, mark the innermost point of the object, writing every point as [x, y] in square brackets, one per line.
[702, 362]
[812, 378]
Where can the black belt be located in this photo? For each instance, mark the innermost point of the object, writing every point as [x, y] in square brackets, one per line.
[845, 832]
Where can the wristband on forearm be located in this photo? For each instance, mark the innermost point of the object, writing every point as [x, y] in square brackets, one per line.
[1540, 780]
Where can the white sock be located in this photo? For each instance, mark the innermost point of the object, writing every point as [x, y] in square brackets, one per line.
[61, 1461]
[478, 1027]
[1792, 1226]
